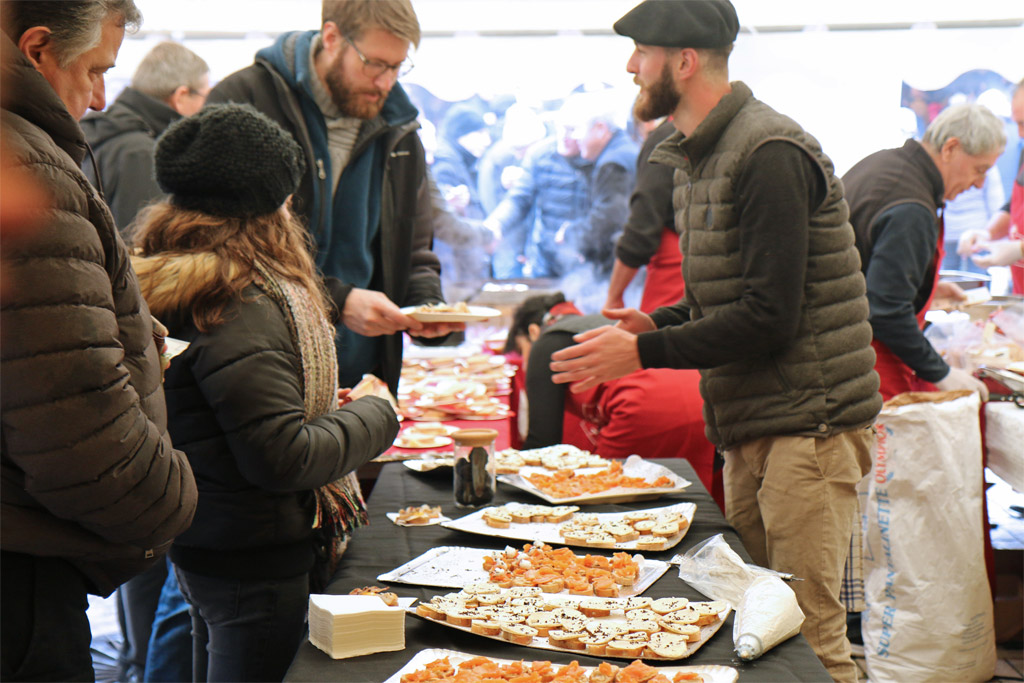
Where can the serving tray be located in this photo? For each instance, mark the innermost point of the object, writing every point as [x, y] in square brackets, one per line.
[712, 673]
[456, 567]
[548, 531]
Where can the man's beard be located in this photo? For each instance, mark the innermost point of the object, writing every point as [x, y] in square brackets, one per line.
[660, 98]
[346, 99]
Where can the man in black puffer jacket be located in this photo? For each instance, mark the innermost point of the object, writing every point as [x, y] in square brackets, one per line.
[93, 493]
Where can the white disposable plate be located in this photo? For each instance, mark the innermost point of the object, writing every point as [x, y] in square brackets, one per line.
[548, 531]
[635, 466]
[423, 441]
[476, 314]
[712, 673]
[456, 567]
[430, 464]
[393, 516]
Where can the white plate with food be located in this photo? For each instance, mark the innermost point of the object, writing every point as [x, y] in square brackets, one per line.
[442, 662]
[556, 525]
[619, 482]
[450, 313]
[418, 515]
[455, 567]
[429, 464]
[638, 627]
[415, 440]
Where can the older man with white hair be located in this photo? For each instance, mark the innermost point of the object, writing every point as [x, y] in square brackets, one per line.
[896, 198]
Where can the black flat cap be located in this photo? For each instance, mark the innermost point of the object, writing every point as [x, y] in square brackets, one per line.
[681, 23]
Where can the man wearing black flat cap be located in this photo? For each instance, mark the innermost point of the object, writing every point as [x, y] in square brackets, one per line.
[775, 315]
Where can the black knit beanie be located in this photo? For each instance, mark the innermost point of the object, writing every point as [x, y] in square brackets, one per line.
[228, 160]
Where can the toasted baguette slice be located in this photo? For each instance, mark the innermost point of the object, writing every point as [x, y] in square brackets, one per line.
[520, 634]
[485, 627]
[667, 645]
[624, 648]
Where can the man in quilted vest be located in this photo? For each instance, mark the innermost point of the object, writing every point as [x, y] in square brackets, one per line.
[775, 314]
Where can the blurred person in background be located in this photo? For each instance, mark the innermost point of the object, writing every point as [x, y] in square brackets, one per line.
[555, 188]
[462, 138]
[499, 169]
[603, 142]
[649, 237]
[254, 399]
[171, 81]
[972, 209]
[1002, 242]
[92, 491]
[895, 198]
[366, 195]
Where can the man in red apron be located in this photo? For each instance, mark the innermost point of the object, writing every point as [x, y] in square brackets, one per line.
[649, 237]
[1009, 222]
[895, 198]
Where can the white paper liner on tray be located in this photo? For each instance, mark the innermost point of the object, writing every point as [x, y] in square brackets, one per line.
[712, 673]
[548, 531]
[542, 642]
[456, 567]
[634, 466]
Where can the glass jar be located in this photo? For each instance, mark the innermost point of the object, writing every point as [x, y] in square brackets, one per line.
[475, 467]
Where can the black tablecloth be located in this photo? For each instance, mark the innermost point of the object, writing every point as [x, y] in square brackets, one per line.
[383, 546]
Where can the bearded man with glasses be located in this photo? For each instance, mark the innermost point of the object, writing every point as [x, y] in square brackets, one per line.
[366, 196]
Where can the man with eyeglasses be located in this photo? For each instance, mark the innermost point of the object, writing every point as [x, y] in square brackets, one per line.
[171, 81]
[366, 196]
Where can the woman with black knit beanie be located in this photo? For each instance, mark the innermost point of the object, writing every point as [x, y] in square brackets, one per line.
[253, 400]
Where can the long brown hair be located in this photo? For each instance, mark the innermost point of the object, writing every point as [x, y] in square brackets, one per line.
[277, 240]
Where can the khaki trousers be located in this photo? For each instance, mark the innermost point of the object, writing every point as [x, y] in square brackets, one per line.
[793, 500]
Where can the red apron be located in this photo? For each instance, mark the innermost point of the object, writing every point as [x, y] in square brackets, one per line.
[896, 376]
[664, 284]
[1016, 232]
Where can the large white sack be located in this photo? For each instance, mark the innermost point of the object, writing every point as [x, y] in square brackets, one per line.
[929, 615]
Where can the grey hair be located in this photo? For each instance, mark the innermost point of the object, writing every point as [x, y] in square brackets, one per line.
[75, 25]
[167, 67]
[975, 126]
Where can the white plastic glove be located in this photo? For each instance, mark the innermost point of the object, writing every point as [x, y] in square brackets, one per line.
[970, 240]
[961, 379]
[1001, 253]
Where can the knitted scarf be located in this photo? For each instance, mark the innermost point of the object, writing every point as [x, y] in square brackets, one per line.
[340, 507]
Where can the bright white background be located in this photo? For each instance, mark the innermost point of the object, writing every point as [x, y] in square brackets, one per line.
[836, 67]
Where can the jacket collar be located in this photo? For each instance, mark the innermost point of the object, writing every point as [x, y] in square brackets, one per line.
[709, 131]
[152, 111]
[916, 154]
[29, 95]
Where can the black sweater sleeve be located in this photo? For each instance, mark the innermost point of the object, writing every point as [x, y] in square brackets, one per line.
[776, 192]
[904, 241]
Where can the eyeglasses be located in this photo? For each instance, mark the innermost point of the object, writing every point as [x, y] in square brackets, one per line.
[373, 68]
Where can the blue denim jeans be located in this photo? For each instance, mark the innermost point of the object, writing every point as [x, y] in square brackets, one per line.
[244, 630]
[169, 655]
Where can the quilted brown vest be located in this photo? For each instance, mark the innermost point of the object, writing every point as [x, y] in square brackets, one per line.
[824, 382]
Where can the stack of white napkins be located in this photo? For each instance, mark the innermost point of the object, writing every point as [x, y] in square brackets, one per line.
[352, 625]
